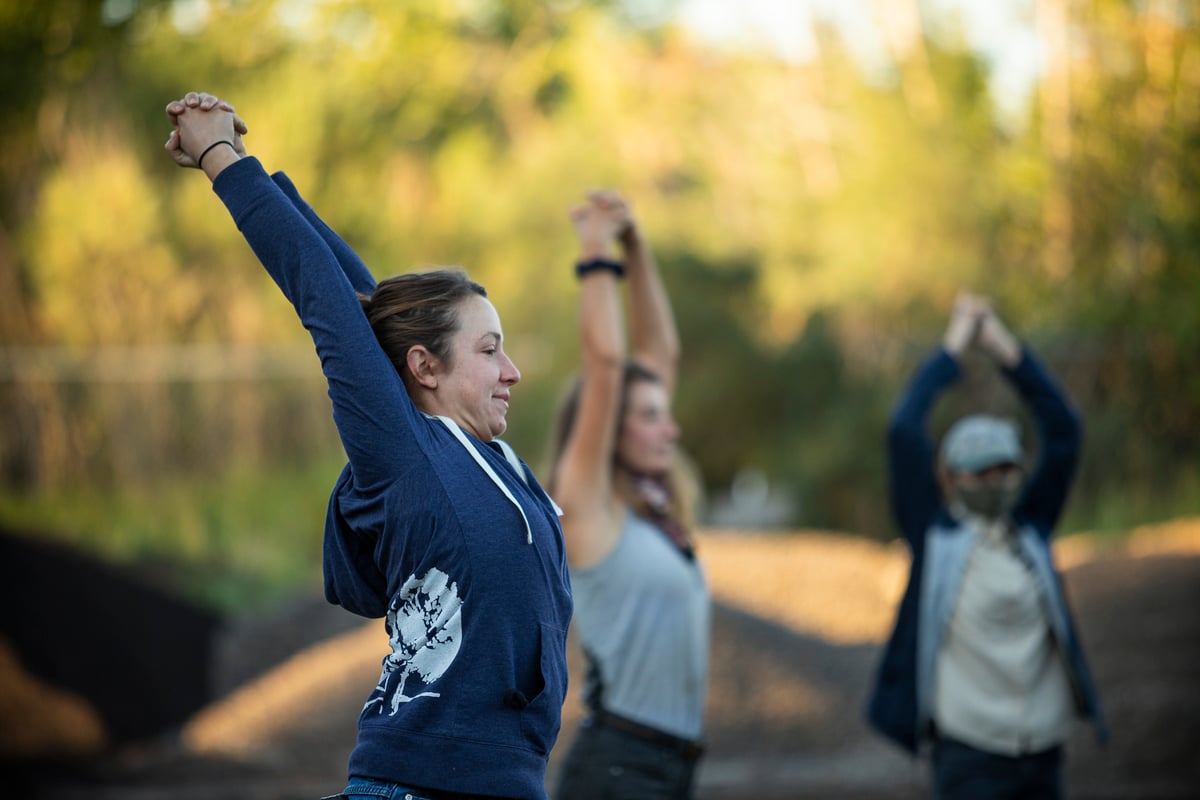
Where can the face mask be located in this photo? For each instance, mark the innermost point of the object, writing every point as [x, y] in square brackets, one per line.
[989, 501]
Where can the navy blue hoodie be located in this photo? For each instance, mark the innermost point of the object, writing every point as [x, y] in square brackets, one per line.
[446, 537]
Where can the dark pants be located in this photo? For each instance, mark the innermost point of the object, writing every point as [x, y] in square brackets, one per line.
[960, 772]
[609, 764]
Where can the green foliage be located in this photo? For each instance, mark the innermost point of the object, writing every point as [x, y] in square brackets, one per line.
[813, 221]
[237, 539]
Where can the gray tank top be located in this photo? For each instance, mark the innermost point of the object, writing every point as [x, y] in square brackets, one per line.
[642, 616]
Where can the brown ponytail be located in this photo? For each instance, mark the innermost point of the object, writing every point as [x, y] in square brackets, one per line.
[418, 308]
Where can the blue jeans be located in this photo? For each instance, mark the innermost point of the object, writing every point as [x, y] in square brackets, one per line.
[608, 764]
[370, 789]
[961, 772]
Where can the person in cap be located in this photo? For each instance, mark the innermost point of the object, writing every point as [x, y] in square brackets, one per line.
[984, 669]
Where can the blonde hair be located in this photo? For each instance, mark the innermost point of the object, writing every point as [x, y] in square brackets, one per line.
[681, 480]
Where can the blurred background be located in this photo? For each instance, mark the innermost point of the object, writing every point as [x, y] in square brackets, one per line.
[818, 179]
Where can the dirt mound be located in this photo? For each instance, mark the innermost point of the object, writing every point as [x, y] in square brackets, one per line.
[797, 629]
[92, 654]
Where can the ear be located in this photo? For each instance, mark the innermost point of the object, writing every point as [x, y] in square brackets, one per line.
[423, 365]
[946, 481]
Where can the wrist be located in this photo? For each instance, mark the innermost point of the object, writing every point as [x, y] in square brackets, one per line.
[209, 149]
[594, 248]
[585, 266]
[217, 158]
[956, 340]
[588, 254]
[1007, 351]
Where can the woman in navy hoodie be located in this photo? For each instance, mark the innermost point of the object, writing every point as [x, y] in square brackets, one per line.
[434, 524]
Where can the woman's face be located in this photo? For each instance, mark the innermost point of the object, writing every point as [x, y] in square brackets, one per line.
[474, 391]
[646, 443]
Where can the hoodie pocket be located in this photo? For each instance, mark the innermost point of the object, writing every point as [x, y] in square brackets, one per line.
[541, 710]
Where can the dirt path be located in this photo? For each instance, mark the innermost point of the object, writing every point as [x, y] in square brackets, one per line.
[796, 636]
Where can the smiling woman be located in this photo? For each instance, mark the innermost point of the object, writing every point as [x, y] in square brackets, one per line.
[472, 387]
[434, 524]
[444, 338]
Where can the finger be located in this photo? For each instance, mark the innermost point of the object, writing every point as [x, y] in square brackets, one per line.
[614, 198]
[595, 196]
[239, 125]
[174, 109]
[603, 198]
[191, 99]
[175, 147]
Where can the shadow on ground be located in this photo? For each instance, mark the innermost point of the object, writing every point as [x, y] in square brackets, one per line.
[90, 655]
[785, 709]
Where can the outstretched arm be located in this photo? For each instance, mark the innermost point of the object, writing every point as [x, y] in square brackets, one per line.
[360, 277]
[1059, 428]
[912, 461]
[655, 338]
[375, 418]
[583, 474]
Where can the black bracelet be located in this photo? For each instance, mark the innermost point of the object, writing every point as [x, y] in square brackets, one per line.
[200, 160]
[592, 264]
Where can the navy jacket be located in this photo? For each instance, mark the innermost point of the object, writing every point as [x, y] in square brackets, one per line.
[899, 703]
[447, 537]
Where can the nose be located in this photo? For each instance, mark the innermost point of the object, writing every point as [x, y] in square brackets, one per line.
[509, 374]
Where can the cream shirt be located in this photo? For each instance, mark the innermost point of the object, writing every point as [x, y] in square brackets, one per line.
[1000, 683]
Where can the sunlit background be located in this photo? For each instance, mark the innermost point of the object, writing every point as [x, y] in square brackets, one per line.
[818, 179]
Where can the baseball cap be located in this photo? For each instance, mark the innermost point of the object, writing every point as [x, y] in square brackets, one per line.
[980, 441]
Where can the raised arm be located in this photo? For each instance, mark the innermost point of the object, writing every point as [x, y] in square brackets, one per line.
[360, 277]
[583, 473]
[375, 418]
[654, 336]
[1060, 431]
[912, 462]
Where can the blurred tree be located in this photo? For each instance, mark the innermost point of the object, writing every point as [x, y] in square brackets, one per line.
[1131, 178]
[814, 220]
[55, 55]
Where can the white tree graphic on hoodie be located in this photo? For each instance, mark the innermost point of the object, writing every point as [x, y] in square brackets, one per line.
[424, 623]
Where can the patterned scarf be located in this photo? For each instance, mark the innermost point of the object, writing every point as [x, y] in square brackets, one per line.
[656, 499]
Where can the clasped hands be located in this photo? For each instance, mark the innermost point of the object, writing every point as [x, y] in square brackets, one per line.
[193, 134]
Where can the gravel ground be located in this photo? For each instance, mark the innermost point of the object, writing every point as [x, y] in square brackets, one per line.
[797, 629]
